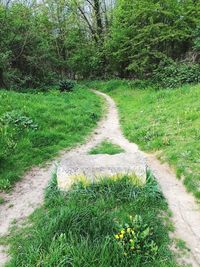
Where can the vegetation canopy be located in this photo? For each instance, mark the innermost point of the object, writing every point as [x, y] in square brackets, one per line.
[42, 42]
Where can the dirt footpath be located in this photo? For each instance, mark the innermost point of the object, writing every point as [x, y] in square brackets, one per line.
[28, 193]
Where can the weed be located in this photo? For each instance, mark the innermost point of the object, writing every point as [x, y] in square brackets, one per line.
[181, 245]
[18, 120]
[2, 200]
[136, 238]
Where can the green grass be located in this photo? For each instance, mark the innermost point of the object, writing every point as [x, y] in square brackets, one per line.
[162, 121]
[40, 125]
[78, 228]
[1, 200]
[106, 147]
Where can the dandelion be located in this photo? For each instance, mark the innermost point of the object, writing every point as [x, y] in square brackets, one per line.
[121, 236]
[128, 230]
[117, 236]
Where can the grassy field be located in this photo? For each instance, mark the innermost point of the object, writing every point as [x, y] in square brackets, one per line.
[162, 121]
[34, 127]
[114, 222]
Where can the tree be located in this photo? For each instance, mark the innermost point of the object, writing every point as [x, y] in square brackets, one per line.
[144, 33]
[44, 41]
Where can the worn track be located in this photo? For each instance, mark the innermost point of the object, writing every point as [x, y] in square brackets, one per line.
[28, 193]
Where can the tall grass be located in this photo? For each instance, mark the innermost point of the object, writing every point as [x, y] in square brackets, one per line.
[78, 228]
[34, 127]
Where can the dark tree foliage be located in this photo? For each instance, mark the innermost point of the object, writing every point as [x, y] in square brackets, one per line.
[42, 42]
[145, 33]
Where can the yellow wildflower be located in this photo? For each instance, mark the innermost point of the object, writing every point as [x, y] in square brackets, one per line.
[117, 236]
[132, 231]
[122, 232]
[121, 236]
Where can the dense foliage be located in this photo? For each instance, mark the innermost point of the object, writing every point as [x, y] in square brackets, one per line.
[145, 33]
[176, 74]
[66, 85]
[45, 41]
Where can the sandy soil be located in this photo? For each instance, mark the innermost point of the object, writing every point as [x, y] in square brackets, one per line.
[186, 212]
[28, 193]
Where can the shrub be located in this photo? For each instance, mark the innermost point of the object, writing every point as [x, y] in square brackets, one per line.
[171, 74]
[66, 85]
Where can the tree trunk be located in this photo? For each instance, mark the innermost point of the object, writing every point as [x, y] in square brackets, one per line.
[2, 83]
[98, 18]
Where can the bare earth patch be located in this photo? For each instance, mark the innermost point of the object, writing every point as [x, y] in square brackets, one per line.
[186, 213]
[28, 194]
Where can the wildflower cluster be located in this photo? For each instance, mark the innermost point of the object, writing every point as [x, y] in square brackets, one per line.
[137, 238]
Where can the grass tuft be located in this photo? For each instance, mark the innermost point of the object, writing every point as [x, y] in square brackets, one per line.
[2, 200]
[106, 147]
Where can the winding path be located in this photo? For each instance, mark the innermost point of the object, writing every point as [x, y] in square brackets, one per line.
[28, 193]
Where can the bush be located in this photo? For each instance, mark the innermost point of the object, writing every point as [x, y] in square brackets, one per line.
[66, 85]
[172, 74]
